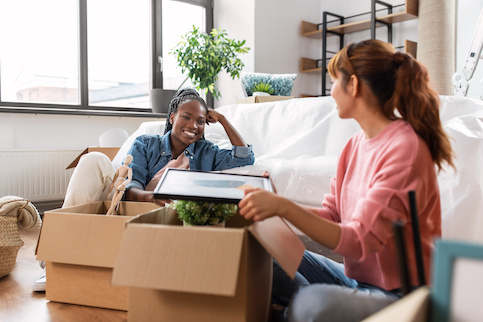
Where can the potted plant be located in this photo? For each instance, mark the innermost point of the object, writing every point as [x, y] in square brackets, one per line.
[204, 55]
[262, 89]
[200, 213]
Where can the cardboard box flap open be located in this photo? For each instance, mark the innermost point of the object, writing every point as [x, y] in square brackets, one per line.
[82, 235]
[109, 151]
[279, 241]
[199, 260]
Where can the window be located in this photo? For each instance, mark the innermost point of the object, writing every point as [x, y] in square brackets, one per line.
[91, 56]
[198, 13]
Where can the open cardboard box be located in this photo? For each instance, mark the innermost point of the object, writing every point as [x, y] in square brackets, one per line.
[80, 245]
[262, 99]
[109, 151]
[177, 273]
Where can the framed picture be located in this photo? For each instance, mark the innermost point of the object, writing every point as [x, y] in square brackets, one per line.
[457, 281]
[207, 186]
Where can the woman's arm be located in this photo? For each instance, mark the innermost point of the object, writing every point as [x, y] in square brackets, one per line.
[233, 135]
[259, 204]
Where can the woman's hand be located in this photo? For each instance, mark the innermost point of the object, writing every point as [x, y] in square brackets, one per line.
[214, 116]
[233, 135]
[259, 204]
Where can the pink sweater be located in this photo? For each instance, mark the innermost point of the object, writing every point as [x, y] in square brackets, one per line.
[370, 192]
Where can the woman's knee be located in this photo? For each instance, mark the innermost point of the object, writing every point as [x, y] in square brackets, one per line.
[94, 159]
[311, 303]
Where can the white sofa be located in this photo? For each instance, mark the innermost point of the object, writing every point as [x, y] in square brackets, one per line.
[298, 141]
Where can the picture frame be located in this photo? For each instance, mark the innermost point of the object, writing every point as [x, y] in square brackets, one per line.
[209, 186]
[457, 281]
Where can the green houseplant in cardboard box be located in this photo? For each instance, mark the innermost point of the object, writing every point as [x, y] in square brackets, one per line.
[204, 55]
[262, 89]
[200, 213]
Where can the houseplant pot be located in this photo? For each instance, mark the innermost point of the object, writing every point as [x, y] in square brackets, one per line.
[160, 98]
[200, 213]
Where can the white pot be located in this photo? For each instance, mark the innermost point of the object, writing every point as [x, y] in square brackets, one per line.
[260, 94]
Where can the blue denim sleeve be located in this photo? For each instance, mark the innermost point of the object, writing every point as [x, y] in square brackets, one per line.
[238, 156]
[139, 163]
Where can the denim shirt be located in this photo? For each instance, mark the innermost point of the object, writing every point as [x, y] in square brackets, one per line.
[152, 152]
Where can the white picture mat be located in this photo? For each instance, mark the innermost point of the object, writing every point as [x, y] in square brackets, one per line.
[467, 283]
[208, 184]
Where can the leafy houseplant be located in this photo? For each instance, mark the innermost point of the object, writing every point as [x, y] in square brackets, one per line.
[262, 87]
[198, 213]
[205, 55]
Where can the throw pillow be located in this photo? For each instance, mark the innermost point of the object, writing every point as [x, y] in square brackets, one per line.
[281, 83]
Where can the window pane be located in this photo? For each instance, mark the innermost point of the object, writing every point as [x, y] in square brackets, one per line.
[39, 52]
[118, 52]
[173, 29]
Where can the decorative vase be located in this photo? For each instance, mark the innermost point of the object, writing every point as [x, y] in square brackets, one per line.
[159, 99]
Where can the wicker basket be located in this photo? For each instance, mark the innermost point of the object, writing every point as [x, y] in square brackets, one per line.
[10, 243]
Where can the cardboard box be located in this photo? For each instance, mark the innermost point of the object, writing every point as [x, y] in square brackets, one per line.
[110, 152]
[80, 246]
[263, 99]
[177, 273]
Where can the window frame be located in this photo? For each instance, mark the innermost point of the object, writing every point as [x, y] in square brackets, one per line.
[156, 41]
[156, 76]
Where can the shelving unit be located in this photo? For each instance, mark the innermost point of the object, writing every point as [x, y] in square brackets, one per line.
[341, 28]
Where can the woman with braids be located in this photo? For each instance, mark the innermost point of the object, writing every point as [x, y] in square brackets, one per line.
[401, 144]
[181, 146]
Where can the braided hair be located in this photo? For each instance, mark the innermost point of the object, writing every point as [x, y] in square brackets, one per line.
[181, 96]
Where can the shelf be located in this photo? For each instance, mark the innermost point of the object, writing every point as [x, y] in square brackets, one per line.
[308, 65]
[335, 26]
[410, 47]
[410, 13]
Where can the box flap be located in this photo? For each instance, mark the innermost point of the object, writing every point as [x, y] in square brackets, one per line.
[176, 258]
[280, 241]
[110, 152]
[80, 235]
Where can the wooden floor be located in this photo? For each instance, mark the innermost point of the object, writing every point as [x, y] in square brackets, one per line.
[19, 303]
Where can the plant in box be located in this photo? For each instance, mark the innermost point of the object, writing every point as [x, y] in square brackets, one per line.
[199, 213]
[262, 89]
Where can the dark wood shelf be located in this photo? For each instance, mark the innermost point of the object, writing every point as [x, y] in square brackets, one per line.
[410, 13]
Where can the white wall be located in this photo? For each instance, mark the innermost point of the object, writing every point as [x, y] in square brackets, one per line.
[36, 132]
[272, 29]
[467, 18]
[238, 19]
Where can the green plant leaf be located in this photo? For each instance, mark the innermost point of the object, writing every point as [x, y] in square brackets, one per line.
[203, 213]
[204, 55]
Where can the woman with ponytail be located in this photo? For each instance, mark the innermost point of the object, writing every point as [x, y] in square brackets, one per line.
[401, 147]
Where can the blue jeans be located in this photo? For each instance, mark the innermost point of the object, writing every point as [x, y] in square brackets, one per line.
[320, 291]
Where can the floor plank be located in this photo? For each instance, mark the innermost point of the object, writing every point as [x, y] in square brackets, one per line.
[19, 303]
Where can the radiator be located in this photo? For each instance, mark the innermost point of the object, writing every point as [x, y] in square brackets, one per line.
[35, 175]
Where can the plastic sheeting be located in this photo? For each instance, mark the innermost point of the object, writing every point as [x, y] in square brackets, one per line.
[298, 142]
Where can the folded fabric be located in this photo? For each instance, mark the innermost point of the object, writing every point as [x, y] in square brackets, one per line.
[27, 215]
